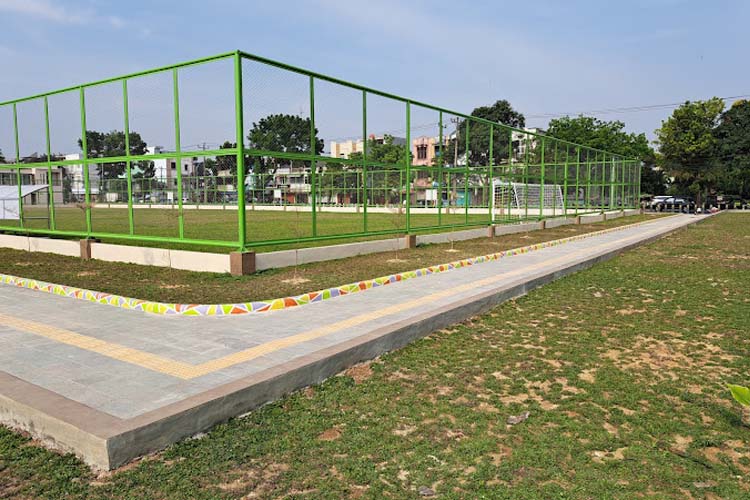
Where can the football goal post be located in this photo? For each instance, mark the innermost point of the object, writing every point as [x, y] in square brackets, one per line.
[515, 197]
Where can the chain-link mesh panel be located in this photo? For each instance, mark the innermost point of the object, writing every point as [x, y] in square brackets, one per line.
[32, 135]
[276, 109]
[109, 196]
[65, 125]
[207, 107]
[105, 121]
[7, 141]
[151, 113]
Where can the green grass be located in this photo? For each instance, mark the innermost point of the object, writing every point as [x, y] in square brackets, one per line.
[221, 225]
[171, 285]
[622, 367]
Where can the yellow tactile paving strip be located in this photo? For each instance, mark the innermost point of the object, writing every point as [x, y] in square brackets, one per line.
[188, 371]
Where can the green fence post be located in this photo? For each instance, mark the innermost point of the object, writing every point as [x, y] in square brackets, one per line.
[466, 176]
[541, 183]
[554, 183]
[565, 180]
[441, 162]
[313, 160]
[408, 167]
[50, 183]
[511, 175]
[526, 178]
[364, 157]
[84, 145]
[178, 147]
[128, 163]
[588, 181]
[491, 187]
[578, 176]
[18, 166]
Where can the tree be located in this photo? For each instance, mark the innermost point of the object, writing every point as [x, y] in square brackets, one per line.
[611, 136]
[2, 158]
[605, 135]
[281, 133]
[688, 145]
[111, 144]
[479, 134]
[733, 149]
[393, 159]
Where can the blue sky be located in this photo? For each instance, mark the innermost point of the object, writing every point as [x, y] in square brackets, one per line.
[544, 56]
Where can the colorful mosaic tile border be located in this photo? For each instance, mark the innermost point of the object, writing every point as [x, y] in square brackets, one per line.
[285, 302]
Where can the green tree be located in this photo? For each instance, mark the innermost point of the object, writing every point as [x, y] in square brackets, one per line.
[281, 133]
[688, 145]
[479, 134]
[605, 135]
[111, 144]
[393, 159]
[611, 136]
[733, 149]
[2, 158]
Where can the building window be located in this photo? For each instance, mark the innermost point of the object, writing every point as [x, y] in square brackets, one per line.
[174, 165]
[422, 152]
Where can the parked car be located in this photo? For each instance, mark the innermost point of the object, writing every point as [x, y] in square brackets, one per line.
[674, 204]
[656, 200]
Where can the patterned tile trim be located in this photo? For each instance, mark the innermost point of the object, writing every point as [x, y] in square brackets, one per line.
[285, 302]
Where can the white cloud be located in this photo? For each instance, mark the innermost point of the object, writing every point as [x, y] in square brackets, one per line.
[50, 10]
[44, 9]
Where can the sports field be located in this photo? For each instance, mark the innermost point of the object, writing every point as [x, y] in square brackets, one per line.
[218, 224]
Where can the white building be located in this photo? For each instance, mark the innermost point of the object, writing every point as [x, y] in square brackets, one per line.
[165, 169]
[525, 142]
[76, 173]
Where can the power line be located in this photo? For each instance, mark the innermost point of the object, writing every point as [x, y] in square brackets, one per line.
[631, 109]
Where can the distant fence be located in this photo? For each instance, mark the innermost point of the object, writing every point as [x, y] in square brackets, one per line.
[290, 155]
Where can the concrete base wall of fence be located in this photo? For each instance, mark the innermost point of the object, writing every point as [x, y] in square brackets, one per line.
[220, 263]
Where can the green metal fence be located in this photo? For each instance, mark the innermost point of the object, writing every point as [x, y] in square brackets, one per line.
[239, 151]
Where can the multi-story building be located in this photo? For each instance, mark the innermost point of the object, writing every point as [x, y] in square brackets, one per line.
[345, 149]
[524, 142]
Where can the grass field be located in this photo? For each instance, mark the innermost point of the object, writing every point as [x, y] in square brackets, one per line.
[221, 225]
[170, 285]
[622, 369]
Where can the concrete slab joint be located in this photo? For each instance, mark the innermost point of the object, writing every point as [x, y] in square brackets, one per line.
[241, 263]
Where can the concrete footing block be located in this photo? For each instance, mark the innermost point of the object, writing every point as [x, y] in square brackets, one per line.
[578, 220]
[543, 224]
[410, 241]
[241, 263]
[491, 231]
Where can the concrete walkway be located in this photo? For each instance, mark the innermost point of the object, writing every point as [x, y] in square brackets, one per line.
[111, 384]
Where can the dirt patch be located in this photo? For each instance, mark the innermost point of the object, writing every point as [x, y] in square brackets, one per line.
[331, 434]
[588, 375]
[359, 373]
[295, 281]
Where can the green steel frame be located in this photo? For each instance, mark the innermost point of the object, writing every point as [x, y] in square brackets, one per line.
[622, 181]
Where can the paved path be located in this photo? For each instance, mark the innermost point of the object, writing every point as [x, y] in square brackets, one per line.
[127, 365]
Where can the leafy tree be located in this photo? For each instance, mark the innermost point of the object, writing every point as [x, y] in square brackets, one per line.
[479, 134]
[733, 149]
[2, 158]
[611, 136]
[605, 135]
[144, 170]
[688, 144]
[281, 133]
[111, 144]
[392, 156]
